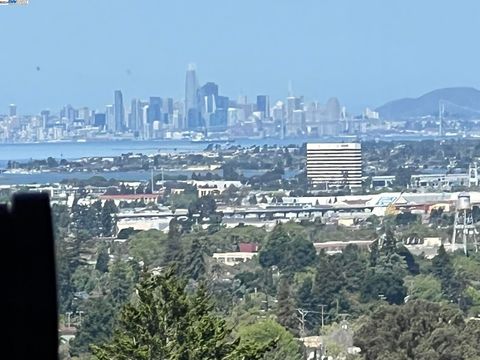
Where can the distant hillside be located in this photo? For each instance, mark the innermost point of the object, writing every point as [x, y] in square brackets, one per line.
[459, 101]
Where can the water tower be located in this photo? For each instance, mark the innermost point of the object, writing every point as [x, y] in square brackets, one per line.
[463, 227]
[473, 179]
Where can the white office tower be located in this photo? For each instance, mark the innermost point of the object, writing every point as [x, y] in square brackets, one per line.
[146, 131]
[110, 118]
[335, 165]
[463, 228]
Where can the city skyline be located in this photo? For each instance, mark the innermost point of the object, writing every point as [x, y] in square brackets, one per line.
[202, 112]
[364, 54]
[205, 113]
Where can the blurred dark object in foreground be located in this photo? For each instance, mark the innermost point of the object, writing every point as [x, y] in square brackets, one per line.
[28, 297]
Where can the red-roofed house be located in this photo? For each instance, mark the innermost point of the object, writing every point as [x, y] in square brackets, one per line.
[248, 247]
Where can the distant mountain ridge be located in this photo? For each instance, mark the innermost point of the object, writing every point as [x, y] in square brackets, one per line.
[460, 101]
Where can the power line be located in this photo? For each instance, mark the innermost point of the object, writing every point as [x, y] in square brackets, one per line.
[303, 313]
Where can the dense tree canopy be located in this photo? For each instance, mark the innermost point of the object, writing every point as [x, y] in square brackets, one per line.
[164, 322]
[418, 330]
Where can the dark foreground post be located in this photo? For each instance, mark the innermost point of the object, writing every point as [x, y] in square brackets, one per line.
[28, 297]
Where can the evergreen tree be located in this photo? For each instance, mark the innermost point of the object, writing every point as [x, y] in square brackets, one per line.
[304, 296]
[166, 323]
[387, 284]
[353, 264]
[121, 282]
[96, 327]
[108, 221]
[68, 255]
[418, 330]
[286, 311]
[173, 249]
[327, 285]
[374, 254]
[442, 268]
[301, 254]
[274, 251]
[195, 265]
[95, 218]
[103, 259]
[389, 243]
[412, 265]
[82, 217]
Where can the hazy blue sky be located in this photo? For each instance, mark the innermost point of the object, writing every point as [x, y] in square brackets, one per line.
[364, 52]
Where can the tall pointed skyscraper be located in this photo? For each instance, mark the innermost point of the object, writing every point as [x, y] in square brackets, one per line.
[192, 111]
[119, 111]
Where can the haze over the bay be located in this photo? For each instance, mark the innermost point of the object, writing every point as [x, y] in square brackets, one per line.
[56, 52]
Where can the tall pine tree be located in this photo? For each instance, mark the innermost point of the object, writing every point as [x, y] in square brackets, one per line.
[166, 323]
[443, 269]
[286, 311]
[173, 249]
[108, 220]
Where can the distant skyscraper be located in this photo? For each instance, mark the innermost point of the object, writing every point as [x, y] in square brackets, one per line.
[331, 125]
[214, 108]
[145, 125]
[232, 117]
[83, 114]
[68, 112]
[291, 124]
[192, 111]
[133, 116]
[155, 109]
[100, 120]
[333, 109]
[167, 111]
[45, 114]
[178, 112]
[12, 110]
[242, 100]
[263, 105]
[207, 96]
[221, 113]
[168, 106]
[176, 119]
[110, 118]
[278, 114]
[119, 111]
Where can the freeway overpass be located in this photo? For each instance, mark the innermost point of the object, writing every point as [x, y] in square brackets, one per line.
[272, 211]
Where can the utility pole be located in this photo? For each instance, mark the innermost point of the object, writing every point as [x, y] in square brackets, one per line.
[69, 314]
[322, 306]
[266, 302]
[80, 317]
[301, 319]
[303, 313]
[151, 179]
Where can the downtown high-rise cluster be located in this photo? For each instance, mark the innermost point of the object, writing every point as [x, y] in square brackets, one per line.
[203, 113]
